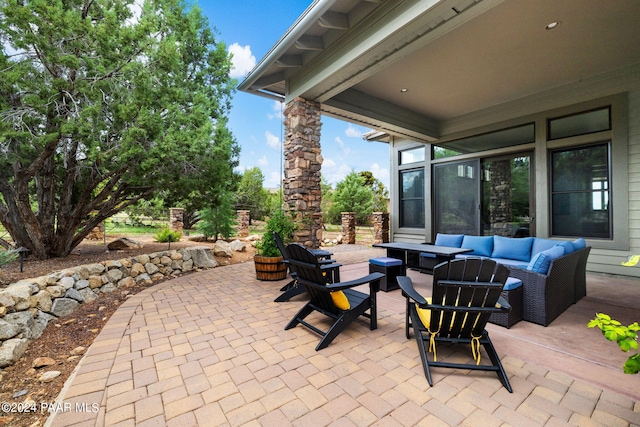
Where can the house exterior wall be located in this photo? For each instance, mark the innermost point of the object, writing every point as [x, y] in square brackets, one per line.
[634, 171]
[606, 256]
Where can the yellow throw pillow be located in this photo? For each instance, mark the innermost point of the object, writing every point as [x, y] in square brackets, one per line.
[340, 300]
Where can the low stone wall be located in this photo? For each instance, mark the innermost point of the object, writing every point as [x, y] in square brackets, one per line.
[26, 307]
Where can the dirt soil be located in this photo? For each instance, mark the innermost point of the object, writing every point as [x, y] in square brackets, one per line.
[24, 397]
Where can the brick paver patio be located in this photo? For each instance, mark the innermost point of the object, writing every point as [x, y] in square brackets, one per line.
[210, 349]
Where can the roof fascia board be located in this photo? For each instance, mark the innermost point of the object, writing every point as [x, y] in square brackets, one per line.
[392, 31]
[308, 18]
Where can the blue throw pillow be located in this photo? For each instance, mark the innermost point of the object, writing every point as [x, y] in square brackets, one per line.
[451, 240]
[579, 244]
[540, 244]
[541, 261]
[481, 245]
[510, 248]
[568, 247]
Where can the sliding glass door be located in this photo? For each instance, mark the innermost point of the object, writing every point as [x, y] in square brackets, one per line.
[489, 196]
[457, 198]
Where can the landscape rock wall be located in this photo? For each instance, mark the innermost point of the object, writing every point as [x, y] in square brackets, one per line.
[26, 307]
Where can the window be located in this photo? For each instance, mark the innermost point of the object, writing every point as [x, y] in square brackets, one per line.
[412, 156]
[412, 198]
[580, 124]
[524, 134]
[581, 192]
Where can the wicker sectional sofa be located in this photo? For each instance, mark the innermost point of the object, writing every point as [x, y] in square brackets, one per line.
[553, 272]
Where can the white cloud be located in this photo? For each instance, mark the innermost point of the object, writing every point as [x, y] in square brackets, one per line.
[278, 110]
[334, 173]
[240, 169]
[272, 140]
[136, 11]
[345, 150]
[242, 60]
[352, 132]
[262, 161]
[381, 173]
[328, 163]
[274, 180]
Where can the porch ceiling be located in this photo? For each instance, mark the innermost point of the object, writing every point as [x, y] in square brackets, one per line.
[453, 57]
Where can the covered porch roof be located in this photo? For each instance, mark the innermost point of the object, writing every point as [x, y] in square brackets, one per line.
[418, 68]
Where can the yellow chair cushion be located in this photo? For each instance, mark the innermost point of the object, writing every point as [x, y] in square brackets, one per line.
[424, 314]
[340, 300]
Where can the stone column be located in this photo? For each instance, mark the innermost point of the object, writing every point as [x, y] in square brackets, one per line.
[500, 213]
[176, 219]
[244, 218]
[380, 227]
[302, 162]
[349, 228]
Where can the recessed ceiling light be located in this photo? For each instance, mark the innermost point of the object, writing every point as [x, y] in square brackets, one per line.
[404, 90]
[552, 25]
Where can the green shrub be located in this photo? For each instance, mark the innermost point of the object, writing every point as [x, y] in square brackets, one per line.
[218, 220]
[625, 336]
[166, 235]
[279, 222]
[7, 256]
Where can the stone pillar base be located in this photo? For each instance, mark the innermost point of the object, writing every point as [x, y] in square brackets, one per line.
[349, 228]
[176, 219]
[380, 227]
[244, 218]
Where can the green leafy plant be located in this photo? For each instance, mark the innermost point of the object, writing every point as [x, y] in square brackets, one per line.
[166, 235]
[279, 222]
[7, 256]
[625, 336]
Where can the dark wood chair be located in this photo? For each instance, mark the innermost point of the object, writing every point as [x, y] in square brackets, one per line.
[291, 289]
[465, 294]
[337, 300]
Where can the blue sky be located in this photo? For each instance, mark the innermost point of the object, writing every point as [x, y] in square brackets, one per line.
[250, 28]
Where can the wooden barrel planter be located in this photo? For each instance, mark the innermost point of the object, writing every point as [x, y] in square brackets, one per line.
[270, 268]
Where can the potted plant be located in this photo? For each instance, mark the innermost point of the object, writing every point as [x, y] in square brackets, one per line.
[268, 259]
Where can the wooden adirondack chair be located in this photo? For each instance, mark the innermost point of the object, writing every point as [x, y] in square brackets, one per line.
[293, 288]
[337, 300]
[465, 294]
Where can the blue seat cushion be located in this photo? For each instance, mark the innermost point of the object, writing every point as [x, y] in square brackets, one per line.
[510, 248]
[512, 283]
[385, 261]
[451, 240]
[541, 261]
[481, 245]
[426, 255]
[511, 262]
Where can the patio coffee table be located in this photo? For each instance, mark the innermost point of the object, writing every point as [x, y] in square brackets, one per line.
[409, 253]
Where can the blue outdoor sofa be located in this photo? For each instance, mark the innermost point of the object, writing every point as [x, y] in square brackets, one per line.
[553, 272]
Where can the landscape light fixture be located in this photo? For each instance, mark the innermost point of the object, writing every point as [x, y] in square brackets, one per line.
[23, 253]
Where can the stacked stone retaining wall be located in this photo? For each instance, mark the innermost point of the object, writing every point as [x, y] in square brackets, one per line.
[26, 307]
